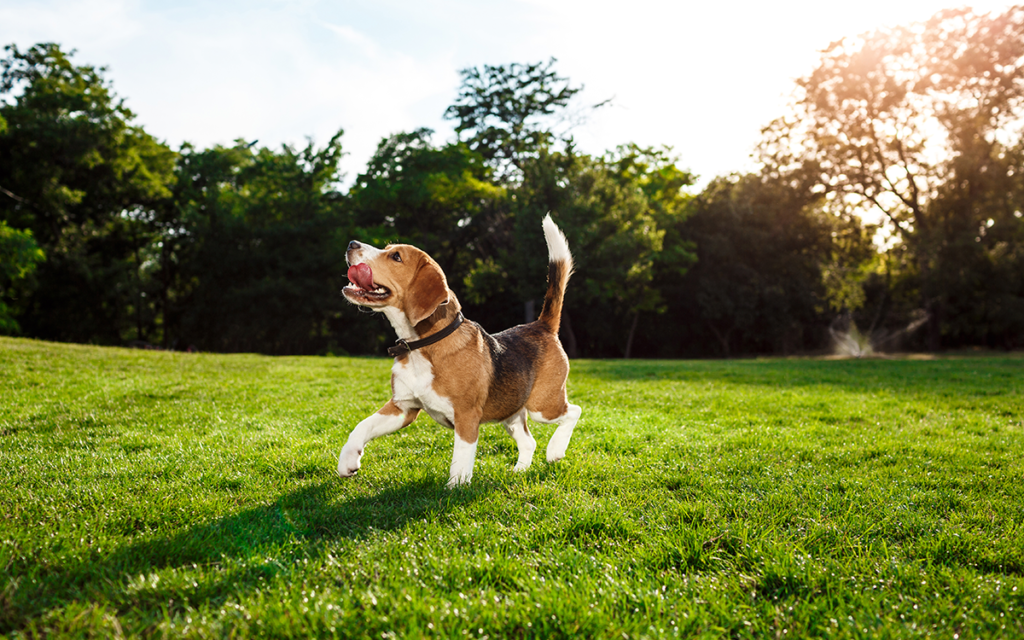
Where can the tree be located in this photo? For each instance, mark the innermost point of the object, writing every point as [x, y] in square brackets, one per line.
[980, 261]
[601, 205]
[19, 256]
[441, 198]
[757, 285]
[655, 173]
[907, 121]
[606, 205]
[257, 260]
[507, 112]
[84, 181]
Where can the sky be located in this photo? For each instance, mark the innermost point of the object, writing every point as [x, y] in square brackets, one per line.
[700, 77]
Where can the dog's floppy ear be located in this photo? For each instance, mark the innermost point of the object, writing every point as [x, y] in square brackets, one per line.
[429, 290]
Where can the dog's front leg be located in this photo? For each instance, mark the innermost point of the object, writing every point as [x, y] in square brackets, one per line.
[467, 432]
[388, 419]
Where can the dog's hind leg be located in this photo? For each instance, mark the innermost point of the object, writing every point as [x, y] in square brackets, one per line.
[516, 427]
[566, 421]
[548, 402]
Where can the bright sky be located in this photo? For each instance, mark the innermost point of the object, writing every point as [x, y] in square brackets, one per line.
[702, 77]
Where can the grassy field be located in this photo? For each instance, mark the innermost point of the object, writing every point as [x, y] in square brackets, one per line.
[178, 495]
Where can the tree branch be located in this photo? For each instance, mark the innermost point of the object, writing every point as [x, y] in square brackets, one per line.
[14, 196]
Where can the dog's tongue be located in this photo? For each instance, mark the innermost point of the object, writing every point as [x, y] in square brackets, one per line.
[362, 276]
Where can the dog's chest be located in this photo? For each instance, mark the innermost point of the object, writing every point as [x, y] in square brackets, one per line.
[413, 382]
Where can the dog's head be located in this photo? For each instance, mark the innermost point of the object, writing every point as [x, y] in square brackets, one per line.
[399, 276]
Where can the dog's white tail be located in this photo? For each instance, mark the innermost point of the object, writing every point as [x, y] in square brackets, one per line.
[559, 270]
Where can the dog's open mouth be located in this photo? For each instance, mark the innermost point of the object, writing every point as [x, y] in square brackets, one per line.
[363, 287]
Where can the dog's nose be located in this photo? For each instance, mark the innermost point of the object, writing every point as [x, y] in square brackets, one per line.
[352, 246]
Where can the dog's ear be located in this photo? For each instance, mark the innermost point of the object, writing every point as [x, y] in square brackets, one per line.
[429, 290]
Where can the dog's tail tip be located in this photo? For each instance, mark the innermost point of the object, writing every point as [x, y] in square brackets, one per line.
[558, 246]
[559, 269]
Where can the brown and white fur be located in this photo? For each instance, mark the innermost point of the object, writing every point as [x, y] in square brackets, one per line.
[469, 377]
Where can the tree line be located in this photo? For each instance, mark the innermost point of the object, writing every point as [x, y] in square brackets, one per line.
[109, 236]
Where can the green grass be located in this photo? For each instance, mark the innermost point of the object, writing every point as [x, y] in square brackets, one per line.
[166, 494]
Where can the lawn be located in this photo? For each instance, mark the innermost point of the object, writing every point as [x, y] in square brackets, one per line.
[195, 495]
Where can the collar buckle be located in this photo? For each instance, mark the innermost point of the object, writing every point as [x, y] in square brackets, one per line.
[400, 349]
[403, 346]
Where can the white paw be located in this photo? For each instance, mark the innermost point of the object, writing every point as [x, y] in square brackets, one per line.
[348, 461]
[463, 457]
[527, 446]
[558, 444]
[459, 480]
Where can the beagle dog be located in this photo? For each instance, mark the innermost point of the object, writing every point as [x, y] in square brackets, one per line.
[453, 369]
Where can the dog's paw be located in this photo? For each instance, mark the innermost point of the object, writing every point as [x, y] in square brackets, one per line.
[556, 450]
[521, 466]
[459, 480]
[348, 461]
[559, 443]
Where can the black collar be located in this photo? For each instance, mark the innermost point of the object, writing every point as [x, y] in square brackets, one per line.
[403, 347]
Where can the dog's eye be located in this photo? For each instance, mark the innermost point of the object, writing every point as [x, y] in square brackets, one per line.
[397, 257]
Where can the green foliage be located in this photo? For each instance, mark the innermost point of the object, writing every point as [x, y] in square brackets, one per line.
[604, 205]
[852, 260]
[256, 261]
[242, 248]
[506, 111]
[978, 258]
[654, 172]
[440, 198]
[19, 257]
[613, 232]
[486, 233]
[608, 207]
[85, 182]
[194, 495]
[757, 285]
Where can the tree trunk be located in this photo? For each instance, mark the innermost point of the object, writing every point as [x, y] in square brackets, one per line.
[568, 337]
[723, 337]
[530, 311]
[935, 325]
[165, 288]
[632, 332]
[139, 331]
[931, 302]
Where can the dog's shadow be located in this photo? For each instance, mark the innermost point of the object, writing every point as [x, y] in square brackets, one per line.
[268, 539]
